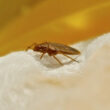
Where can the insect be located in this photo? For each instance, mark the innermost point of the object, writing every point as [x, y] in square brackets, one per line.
[54, 48]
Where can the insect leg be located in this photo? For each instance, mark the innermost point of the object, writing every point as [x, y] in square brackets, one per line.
[31, 46]
[57, 59]
[42, 55]
[70, 58]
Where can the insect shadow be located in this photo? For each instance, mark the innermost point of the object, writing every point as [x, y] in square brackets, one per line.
[50, 62]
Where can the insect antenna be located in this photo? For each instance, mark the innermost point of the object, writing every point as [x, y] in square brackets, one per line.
[34, 44]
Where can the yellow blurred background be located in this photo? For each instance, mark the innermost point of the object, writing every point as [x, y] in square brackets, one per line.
[23, 22]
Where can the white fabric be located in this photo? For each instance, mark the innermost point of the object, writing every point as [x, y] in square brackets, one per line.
[23, 76]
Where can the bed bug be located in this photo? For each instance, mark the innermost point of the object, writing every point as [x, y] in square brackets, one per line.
[54, 48]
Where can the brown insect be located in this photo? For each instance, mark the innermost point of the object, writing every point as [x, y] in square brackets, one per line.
[54, 48]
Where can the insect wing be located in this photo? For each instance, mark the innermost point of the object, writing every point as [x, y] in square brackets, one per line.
[61, 48]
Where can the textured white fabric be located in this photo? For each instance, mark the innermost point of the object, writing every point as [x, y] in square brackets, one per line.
[18, 70]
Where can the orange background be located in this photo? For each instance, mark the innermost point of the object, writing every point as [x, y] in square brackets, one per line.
[23, 22]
